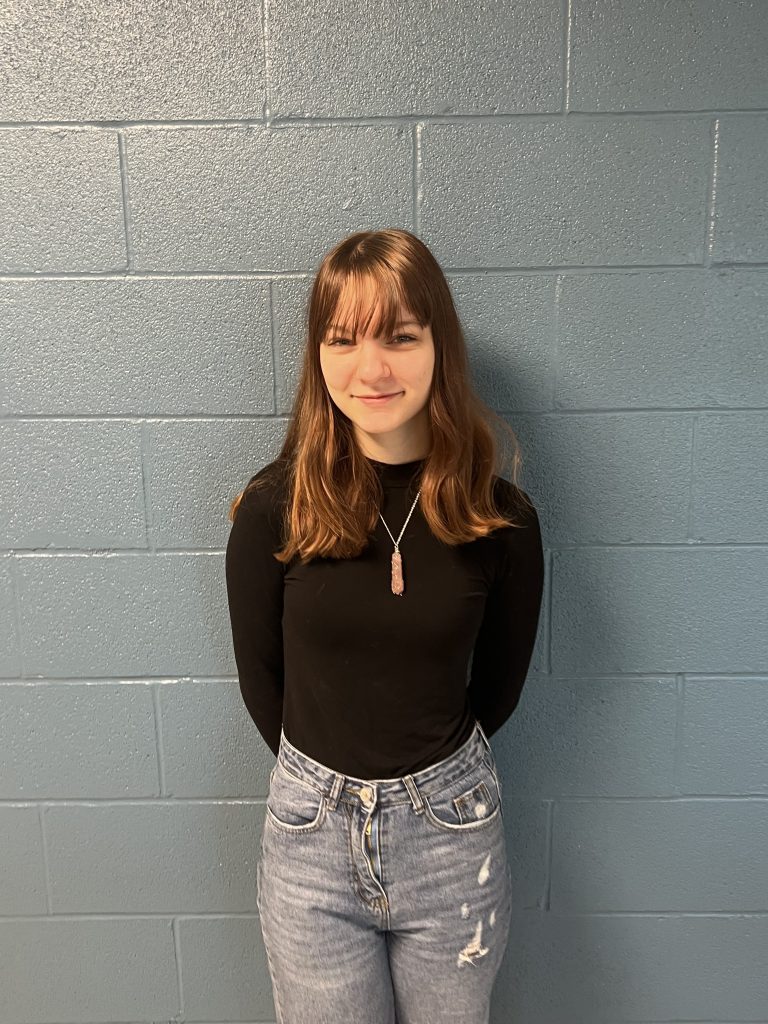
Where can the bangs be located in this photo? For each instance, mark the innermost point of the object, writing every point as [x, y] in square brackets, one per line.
[370, 303]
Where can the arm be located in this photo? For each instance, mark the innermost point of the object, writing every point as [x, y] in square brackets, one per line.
[506, 638]
[255, 597]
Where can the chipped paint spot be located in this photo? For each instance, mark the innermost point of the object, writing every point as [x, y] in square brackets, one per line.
[485, 871]
[474, 949]
[465, 910]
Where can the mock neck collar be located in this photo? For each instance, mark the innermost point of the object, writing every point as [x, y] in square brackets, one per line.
[397, 473]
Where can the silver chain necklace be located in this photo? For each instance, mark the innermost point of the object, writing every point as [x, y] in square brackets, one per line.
[398, 586]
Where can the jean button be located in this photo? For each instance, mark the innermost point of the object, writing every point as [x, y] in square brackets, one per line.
[366, 795]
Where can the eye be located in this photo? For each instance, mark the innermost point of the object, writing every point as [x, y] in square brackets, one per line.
[399, 339]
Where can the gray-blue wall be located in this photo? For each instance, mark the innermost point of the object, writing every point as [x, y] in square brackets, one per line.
[592, 176]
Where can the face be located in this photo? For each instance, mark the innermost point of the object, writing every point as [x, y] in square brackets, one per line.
[394, 428]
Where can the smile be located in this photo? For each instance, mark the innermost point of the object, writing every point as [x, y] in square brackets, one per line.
[379, 400]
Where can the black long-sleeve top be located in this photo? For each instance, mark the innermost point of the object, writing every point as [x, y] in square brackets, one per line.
[369, 683]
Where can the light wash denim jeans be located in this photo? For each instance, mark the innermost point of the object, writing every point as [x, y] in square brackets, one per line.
[384, 901]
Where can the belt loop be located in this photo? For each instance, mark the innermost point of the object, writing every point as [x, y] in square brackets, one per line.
[413, 793]
[336, 788]
[483, 736]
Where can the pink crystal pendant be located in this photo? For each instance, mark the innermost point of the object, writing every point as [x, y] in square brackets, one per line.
[397, 573]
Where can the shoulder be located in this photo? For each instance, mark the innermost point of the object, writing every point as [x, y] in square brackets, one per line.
[520, 543]
[264, 495]
[515, 503]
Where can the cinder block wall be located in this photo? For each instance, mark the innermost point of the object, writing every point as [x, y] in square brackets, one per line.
[592, 176]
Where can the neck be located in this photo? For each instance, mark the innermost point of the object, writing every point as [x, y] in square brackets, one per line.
[408, 443]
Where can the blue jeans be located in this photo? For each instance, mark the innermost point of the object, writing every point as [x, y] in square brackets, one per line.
[384, 901]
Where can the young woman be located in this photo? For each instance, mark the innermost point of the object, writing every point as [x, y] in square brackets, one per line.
[368, 566]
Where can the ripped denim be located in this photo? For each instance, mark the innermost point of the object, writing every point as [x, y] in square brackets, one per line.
[384, 901]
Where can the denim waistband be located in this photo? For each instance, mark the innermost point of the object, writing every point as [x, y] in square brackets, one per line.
[428, 781]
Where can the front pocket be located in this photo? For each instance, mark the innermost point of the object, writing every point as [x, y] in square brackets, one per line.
[292, 804]
[469, 803]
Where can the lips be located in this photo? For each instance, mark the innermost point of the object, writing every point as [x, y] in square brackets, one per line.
[379, 399]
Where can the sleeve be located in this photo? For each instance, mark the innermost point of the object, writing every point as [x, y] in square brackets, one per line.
[507, 634]
[254, 581]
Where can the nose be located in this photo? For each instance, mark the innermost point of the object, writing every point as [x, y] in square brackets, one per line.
[372, 368]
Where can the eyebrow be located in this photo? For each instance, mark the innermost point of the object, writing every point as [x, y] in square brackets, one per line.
[402, 323]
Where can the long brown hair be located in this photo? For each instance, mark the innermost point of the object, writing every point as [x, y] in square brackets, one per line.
[332, 493]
